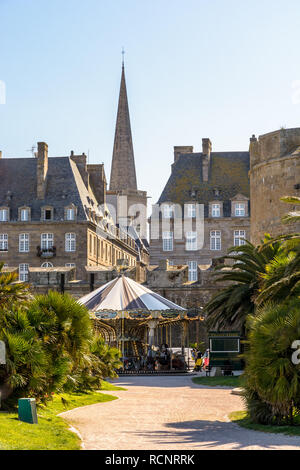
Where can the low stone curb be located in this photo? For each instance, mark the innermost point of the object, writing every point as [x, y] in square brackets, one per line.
[237, 391]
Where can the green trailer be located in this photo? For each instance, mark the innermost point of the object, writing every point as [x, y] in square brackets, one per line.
[225, 350]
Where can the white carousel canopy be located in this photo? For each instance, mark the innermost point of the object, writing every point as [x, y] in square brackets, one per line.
[124, 294]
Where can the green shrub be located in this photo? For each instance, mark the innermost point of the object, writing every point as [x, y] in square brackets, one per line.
[51, 348]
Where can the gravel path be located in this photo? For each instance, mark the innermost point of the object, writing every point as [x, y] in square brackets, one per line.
[169, 413]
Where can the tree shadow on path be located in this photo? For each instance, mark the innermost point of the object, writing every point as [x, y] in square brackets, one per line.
[200, 434]
[163, 382]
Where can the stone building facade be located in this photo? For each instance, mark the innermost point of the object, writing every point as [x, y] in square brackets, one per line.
[214, 184]
[53, 214]
[274, 173]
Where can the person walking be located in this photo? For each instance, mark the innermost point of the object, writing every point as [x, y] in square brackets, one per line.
[199, 362]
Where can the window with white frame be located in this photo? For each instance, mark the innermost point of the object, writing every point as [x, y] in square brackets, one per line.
[168, 211]
[47, 240]
[70, 242]
[239, 237]
[3, 215]
[191, 241]
[23, 272]
[70, 213]
[70, 265]
[47, 265]
[3, 242]
[240, 209]
[24, 243]
[215, 240]
[24, 215]
[216, 210]
[191, 210]
[193, 271]
[167, 241]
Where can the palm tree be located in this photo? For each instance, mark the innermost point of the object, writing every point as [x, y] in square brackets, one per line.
[102, 363]
[80, 359]
[282, 277]
[10, 289]
[272, 375]
[232, 304]
[65, 328]
[109, 358]
[51, 348]
[27, 363]
[293, 216]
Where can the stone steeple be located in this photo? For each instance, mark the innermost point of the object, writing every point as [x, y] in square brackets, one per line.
[123, 174]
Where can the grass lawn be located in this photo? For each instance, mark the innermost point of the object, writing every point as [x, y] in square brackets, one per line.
[241, 418]
[52, 432]
[108, 386]
[218, 381]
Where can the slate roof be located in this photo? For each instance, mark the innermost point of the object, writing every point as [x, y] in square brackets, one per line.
[64, 187]
[141, 244]
[228, 173]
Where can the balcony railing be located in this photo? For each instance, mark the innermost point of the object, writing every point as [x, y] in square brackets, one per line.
[46, 252]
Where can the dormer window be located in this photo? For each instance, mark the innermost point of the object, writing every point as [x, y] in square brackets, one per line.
[47, 213]
[239, 206]
[240, 209]
[4, 214]
[24, 214]
[168, 211]
[216, 210]
[70, 213]
[191, 211]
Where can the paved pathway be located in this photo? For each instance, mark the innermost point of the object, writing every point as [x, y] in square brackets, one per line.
[169, 413]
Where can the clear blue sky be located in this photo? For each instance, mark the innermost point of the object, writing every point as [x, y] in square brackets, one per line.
[222, 69]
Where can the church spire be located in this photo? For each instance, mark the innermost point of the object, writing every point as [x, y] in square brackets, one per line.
[123, 175]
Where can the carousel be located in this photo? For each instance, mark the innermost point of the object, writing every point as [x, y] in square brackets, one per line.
[141, 323]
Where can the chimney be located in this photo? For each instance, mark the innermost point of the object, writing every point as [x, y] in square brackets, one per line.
[42, 169]
[81, 162]
[206, 150]
[97, 180]
[181, 151]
